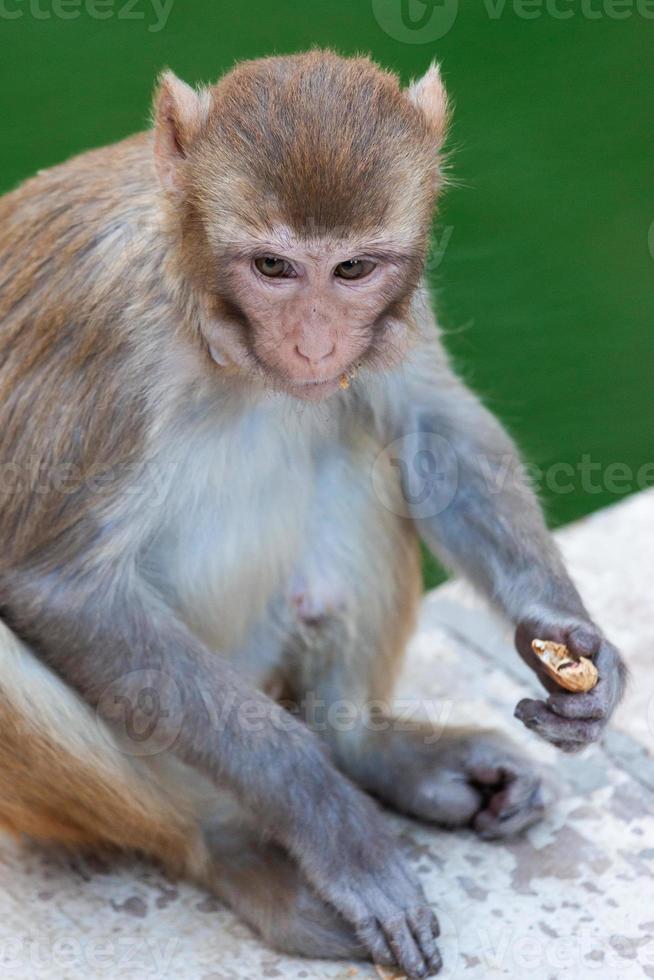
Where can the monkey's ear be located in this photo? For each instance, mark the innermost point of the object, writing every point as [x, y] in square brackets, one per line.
[429, 95]
[179, 114]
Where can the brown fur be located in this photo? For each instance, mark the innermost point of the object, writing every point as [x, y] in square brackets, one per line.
[341, 137]
[64, 778]
[50, 794]
[72, 381]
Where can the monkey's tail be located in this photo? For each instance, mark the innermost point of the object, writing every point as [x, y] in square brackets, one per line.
[64, 778]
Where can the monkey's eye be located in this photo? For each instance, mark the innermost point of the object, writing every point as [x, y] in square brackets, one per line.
[274, 268]
[354, 269]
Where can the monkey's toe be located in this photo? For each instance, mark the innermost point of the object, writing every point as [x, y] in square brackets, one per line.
[446, 797]
[514, 800]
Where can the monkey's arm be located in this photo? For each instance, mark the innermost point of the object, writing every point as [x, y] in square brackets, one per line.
[465, 485]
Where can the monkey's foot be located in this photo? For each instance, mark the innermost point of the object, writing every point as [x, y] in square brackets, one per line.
[477, 782]
[313, 929]
[390, 922]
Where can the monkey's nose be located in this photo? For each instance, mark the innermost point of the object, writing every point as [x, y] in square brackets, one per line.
[315, 353]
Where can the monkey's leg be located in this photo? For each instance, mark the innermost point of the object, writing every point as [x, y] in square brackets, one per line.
[353, 605]
[453, 777]
[63, 779]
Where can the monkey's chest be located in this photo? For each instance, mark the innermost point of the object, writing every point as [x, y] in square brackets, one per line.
[233, 538]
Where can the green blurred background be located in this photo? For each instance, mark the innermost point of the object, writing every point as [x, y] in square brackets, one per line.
[543, 264]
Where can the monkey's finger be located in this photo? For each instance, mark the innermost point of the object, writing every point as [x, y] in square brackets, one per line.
[599, 703]
[373, 938]
[408, 954]
[592, 706]
[570, 748]
[536, 716]
[425, 927]
[425, 921]
[489, 827]
[517, 805]
[583, 641]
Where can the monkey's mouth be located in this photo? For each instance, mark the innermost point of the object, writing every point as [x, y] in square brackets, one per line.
[314, 383]
[313, 390]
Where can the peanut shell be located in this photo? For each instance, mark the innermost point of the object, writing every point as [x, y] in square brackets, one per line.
[573, 675]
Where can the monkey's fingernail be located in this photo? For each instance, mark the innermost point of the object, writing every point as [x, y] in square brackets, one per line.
[538, 799]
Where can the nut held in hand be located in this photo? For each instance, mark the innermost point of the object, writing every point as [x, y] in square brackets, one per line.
[574, 675]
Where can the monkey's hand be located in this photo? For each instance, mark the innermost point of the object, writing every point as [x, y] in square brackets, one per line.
[570, 721]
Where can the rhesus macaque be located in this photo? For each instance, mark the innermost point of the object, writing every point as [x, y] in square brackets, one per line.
[190, 528]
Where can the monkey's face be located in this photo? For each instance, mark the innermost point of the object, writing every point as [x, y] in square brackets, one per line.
[305, 188]
[308, 313]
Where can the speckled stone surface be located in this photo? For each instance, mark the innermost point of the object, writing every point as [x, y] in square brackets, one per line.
[575, 897]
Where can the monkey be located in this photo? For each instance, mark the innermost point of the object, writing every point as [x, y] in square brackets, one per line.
[214, 336]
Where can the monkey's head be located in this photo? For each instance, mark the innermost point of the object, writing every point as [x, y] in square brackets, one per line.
[302, 189]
